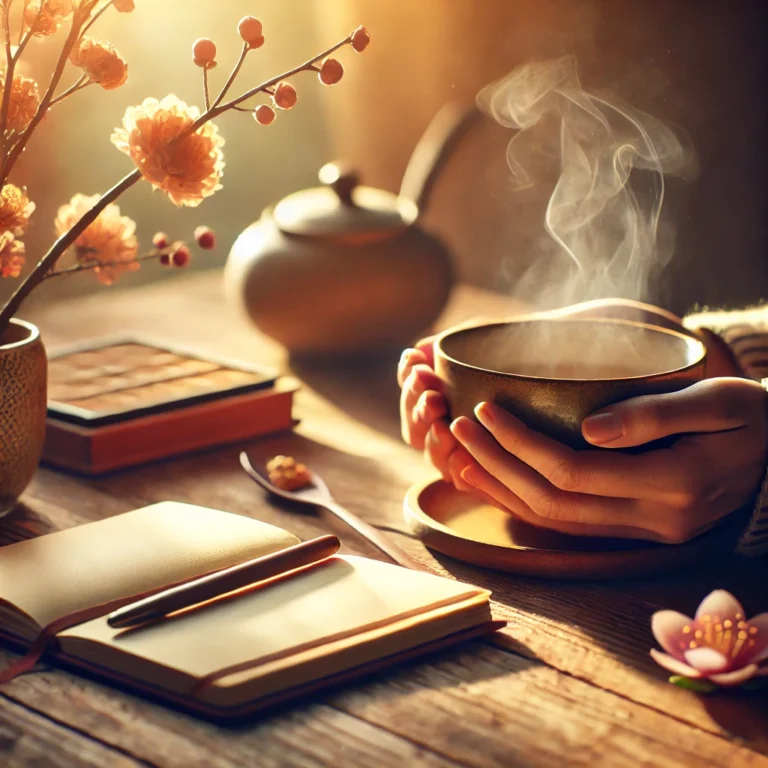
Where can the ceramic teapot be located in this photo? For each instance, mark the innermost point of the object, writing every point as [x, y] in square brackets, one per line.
[344, 268]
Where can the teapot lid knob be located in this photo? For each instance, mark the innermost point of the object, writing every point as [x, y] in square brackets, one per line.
[341, 179]
[340, 209]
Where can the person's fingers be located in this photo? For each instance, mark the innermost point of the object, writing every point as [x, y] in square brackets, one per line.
[420, 380]
[439, 445]
[488, 485]
[426, 347]
[430, 407]
[408, 359]
[462, 463]
[713, 405]
[547, 502]
[412, 390]
[599, 473]
[426, 378]
[458, 462]
[484, 484]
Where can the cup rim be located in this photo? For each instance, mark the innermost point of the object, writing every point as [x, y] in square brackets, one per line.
[34, 335]
[700, 359]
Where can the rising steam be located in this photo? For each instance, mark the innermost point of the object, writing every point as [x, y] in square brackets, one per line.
[607, 223]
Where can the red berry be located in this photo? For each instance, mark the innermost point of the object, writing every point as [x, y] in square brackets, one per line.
[250, 29]
[205, 237]
[160, 241]
[360, 39]
[165, 259]
[331, 72]
[264, 114]
[285, 96]
[181, 256]
[204, 51]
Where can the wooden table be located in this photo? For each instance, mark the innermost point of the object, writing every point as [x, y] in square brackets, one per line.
[568, 682]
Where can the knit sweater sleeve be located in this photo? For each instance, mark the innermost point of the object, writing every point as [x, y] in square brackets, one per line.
[746, 334]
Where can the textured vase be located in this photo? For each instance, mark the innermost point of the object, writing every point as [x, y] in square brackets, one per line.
[23, 401]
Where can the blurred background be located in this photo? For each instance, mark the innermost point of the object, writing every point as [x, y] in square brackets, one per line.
[698, 66]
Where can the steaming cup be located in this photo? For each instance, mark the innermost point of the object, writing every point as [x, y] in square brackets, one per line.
[553, 372]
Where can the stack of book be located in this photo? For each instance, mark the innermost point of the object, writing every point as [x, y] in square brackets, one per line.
[121, 402]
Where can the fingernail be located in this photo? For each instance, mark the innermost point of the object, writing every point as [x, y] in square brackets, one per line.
[466, 476]
[406, 359]
[602, 427]
[456, 425]
[422, 408]
[484, 413]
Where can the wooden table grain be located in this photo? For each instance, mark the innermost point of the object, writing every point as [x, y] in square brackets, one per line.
[568, 682]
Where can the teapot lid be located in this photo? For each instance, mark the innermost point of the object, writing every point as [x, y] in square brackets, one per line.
[341, 208]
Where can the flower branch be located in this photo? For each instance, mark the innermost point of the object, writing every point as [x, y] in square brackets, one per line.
[7, 27]
[12, 59]
[176, 254]
[81, 83]
[90, 266]
[306, 66]
[96, 15]
[206, 89]
[18, 148]
[175, 147]
[235, 72]
[9, 72]
[26, 36]
[265, 87]
[58, 249]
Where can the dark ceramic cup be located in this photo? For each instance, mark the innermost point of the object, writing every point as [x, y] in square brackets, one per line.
[553, 373]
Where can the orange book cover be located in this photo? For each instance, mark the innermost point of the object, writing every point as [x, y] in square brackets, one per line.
[95, 450]
[120, 402]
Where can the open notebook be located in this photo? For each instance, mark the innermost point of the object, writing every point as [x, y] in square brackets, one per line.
[294, 634]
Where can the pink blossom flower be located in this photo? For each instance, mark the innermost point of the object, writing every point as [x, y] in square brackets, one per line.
[719, 645]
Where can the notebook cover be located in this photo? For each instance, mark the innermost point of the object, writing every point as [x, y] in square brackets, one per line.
[99, 449]
[245, 711]
[116, 379]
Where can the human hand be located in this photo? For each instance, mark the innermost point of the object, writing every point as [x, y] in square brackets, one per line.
[423, 408]
[422, 414]
[666, 494]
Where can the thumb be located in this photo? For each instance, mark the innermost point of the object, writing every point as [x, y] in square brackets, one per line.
[714, 405]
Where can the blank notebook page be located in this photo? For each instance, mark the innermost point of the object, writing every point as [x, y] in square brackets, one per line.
[335, 599]
[54, 575]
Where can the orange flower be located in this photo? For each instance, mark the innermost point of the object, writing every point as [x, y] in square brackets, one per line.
[101, 62]
[110, 240]
[124, 6]
[45, 20]
[186, 166]
[15, 210]
[25, 99]
[12, 253]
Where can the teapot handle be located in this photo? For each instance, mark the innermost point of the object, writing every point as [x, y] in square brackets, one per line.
[435, 146]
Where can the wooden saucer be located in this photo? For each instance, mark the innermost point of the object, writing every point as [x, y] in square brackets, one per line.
[463, 527]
